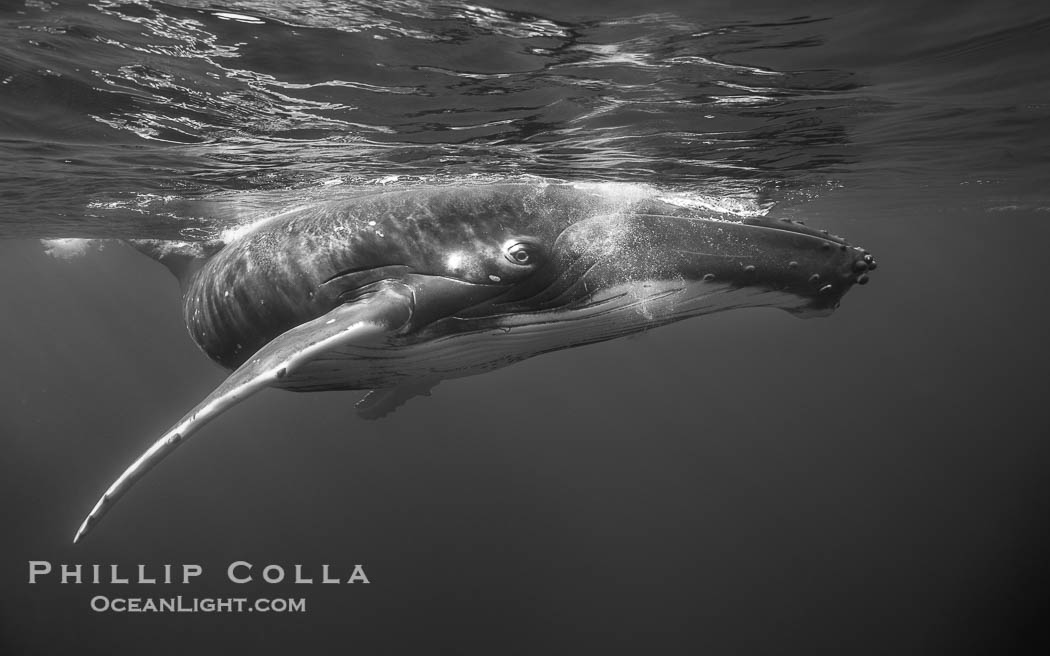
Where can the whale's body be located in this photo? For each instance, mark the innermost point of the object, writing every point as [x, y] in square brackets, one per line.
[396, 291]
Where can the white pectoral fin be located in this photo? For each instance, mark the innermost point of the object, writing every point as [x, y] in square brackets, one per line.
[364, 319]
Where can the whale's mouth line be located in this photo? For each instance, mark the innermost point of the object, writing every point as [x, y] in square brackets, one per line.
[809, 232]
[622, 310]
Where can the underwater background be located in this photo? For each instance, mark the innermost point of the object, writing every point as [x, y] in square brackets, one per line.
[747, 482]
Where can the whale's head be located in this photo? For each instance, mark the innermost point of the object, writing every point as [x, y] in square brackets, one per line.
[583, 267]
[670, 266]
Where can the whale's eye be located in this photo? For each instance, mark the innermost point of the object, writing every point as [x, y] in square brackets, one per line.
[521, 253]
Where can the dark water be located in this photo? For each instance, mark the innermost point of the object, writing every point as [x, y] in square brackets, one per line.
[742, 483]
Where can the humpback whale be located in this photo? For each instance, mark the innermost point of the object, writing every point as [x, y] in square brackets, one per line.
[398, 290]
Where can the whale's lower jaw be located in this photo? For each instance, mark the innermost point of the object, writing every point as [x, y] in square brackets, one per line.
[460, 351]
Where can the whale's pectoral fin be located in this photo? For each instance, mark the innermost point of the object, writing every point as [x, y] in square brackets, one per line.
[381, 402]
[370, 316]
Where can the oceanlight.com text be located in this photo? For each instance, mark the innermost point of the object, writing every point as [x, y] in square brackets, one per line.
[181, 604]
